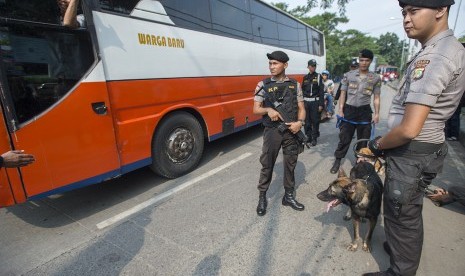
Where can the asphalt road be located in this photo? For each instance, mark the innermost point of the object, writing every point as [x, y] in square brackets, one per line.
[205, 223]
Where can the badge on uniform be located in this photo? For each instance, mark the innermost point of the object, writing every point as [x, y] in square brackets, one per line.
[419, 69]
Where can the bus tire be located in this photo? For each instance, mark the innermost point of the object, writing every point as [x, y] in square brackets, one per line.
[177, 145]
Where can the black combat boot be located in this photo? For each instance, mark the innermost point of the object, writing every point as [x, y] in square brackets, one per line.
[314, 142]
[289, 200]
[388, 272]
[336, 165]
[261, 208]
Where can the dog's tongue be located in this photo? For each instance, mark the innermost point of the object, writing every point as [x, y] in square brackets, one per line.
[331, 204]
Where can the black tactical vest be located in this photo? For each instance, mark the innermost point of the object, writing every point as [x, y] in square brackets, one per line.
[286, 94]
[311, 84]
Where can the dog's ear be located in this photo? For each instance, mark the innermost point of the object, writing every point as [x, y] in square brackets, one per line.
[350, 188]
[341, 173]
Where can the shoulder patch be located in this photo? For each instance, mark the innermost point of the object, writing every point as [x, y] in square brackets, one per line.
[419, 70]
[422, 63]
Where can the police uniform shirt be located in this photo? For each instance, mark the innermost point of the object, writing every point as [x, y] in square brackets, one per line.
[435, 77]
[260, 96]
[359, 88]
[311, 85]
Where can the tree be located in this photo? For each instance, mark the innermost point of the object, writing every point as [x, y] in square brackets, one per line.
[462, 39]
[390, 47]
[326, 22]
[300, 11]
[346, 46]
[341, 47]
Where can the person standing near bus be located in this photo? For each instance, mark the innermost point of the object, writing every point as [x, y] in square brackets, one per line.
[414, 146]
[313, 90]
[359, 86]
[69, 16]
[289, 93]
[328, 88]
[15, 159]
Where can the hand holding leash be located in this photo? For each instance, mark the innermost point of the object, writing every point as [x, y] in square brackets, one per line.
[373, 145]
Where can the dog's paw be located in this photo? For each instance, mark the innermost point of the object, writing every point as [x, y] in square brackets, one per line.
[352, 247]
[366, 247]
[348, 215]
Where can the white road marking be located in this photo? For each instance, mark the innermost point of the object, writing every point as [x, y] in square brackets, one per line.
[168, 193]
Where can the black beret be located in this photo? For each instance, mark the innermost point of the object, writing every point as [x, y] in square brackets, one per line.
[279, 56]
[312, 62]
[426, 3]
[365, 53]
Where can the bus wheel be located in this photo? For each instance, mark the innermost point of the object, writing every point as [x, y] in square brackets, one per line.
[177, 145]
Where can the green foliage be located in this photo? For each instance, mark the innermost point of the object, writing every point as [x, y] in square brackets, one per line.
[341, 47]
[326, 22]
[344, 46]
[390, 48]
[462, 39]
[300, 11]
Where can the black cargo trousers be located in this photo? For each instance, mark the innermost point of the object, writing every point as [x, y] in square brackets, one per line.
[409, 169]
[273, 140]
[355, 114]
[312, 119]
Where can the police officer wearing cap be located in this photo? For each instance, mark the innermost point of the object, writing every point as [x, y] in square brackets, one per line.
[313, 90]
[288, 92]
[357, 89]
[414, 147]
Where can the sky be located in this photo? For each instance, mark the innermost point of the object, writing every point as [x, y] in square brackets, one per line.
[377, 17]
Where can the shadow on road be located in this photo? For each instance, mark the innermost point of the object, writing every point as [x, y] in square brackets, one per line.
[84, 202]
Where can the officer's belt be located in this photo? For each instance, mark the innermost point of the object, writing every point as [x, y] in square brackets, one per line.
[312, 99]
[421, 147]
[341, 119]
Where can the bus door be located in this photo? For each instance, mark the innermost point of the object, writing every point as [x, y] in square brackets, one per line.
[11, 188]
[56, 99]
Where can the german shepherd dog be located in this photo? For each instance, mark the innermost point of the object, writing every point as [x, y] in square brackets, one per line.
[362, 192]
[365, 155]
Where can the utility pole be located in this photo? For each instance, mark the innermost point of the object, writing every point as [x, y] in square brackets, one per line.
[457, 16]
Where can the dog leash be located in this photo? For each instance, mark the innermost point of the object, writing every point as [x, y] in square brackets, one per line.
[358, 154]
[342, 119]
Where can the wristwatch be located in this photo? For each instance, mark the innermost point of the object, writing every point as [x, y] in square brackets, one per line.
[302, 121]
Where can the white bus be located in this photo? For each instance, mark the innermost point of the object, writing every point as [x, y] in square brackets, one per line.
[144, 83]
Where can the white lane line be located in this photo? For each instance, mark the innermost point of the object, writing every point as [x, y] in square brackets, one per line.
[458, 163]
[168, 193]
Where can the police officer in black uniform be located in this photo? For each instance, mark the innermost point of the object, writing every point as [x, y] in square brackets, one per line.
[314, 92]
[286, 91]
[414, 147]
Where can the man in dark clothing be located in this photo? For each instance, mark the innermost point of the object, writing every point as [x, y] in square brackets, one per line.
[314, 98]
[452, 128]
[286, 91]
[455, 193]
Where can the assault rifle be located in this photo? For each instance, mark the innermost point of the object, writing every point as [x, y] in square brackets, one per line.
[301, 137]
